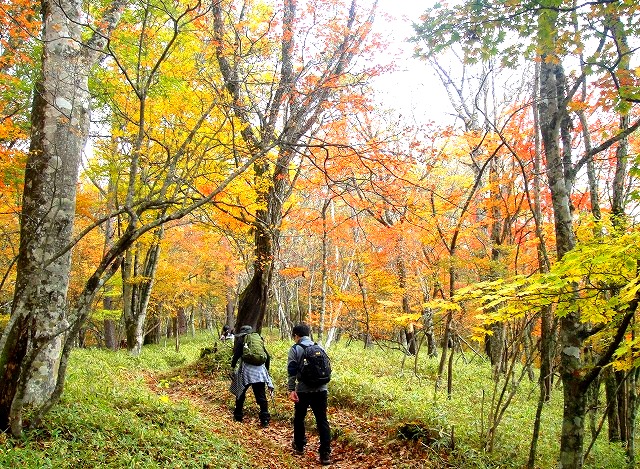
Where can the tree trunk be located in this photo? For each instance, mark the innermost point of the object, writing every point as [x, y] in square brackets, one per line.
[572, 439]
[137, 283]
[613, 418]
[409, 330]
[110, 339]
[183, 321]
[176, 332]
[495, 341]
[253, 301]
[622, 400]
[571, 328]
[432, 349]
[495, 349]
[447, 341]
[427, 324]
[169, 329]
[364, 294]
[282, 126]
[325, 268]
[633, 412]
[230, 307]
[31, 345]
[547, 329]
[618, 201]
[153, 334]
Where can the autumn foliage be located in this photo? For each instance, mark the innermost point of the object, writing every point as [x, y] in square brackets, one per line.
[240, 163]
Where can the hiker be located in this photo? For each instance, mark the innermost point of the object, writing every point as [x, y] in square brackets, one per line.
[227, 332]
[306, 395]
[252, 372]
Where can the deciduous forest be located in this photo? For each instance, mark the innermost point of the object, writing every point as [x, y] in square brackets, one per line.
[171, 166]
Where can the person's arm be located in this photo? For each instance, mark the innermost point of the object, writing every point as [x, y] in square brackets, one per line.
[292, 368]
[292, 372]
[237, 351]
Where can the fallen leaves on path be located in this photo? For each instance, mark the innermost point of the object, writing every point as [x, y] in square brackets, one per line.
[359, 442]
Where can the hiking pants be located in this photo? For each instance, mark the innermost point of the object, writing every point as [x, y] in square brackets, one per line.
[260, 393]
[318, 403]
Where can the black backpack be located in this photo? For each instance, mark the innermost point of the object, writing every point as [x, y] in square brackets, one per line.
[314, 367]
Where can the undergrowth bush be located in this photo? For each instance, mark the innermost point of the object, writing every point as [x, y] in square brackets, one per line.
[108, 418]
[373, 380]
[382, 381]
[216, 358]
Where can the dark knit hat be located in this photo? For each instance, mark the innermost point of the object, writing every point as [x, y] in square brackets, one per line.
[244, 330]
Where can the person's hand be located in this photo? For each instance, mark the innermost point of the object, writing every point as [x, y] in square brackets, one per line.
[294, 396]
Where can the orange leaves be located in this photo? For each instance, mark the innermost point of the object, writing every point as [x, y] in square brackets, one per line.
[292, 272]
[19, 24]
[196, 268]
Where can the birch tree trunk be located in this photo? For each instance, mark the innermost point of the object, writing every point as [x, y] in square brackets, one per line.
[324, 271]
[137, 285]
[31, 346]
[571, 329]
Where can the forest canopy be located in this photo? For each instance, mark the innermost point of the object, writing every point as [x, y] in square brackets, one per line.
[185, 165]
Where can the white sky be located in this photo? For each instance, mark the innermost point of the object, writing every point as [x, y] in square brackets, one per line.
[412, 89]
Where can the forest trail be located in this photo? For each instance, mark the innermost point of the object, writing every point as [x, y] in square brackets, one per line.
[359, 442]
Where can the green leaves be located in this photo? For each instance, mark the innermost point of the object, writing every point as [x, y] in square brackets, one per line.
[597, 280]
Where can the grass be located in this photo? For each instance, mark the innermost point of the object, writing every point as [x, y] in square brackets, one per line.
[109, 418]
[375, 382]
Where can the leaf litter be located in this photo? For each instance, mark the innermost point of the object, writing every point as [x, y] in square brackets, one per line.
[359, 441]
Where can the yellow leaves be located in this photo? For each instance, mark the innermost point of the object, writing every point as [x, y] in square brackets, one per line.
[630, 291]
[408, 319]
[389, 304]
[443, 305]
[596, 280]
[102, 314]
[627, 356]
[575, 106]
[138, 280]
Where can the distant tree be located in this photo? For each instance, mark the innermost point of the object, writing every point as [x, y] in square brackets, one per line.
[307, 56]
[19, 26]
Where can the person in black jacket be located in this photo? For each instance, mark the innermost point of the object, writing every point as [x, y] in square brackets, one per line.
[256, 376]
[305, 396]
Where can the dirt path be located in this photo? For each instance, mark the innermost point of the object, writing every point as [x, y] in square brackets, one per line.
[358, 442]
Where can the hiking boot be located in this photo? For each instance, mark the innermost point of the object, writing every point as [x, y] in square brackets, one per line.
[297, 451]
[265, 418]
[325, 459]
[237, 418]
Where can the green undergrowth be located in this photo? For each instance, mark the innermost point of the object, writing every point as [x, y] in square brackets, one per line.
[379, 382]
[108, 418]
[398, 390]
